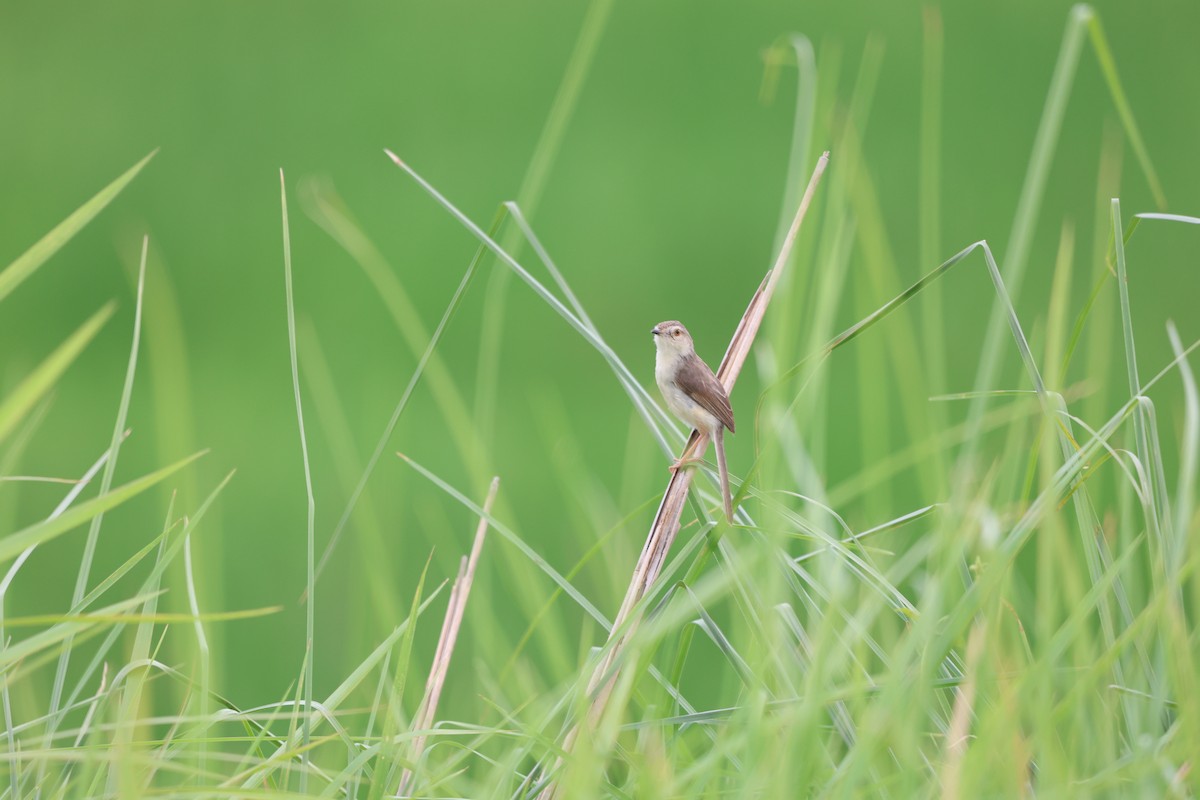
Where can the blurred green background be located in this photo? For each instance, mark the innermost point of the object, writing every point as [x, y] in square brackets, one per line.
[662, 203]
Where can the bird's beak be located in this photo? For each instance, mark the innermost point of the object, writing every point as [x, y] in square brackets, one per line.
[655, 330]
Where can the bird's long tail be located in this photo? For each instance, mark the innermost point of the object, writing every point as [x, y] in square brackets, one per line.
[719, 441]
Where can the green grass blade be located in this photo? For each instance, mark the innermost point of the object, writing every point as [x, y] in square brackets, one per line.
[711, 629]
[418, 372]
[929, 193]
[1020, 239]
[529, 197]
[1082, 18]
[1189, 448]
[35, 386]
[44, 531]
[517, 541]
[66, 628]
[310, 538]
[148, 585]
[385, 764]
[1108, 67]
[106, 479]
[332, 703]
[326, 208]
[333, 421]
[166, 374]
[638, 394]
[120, 780]
[1167, 218]
[28, 262]
[803, 118]
[1135, 385]
[881, 313]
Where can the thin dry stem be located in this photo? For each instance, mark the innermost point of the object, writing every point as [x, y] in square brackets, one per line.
[449, 635]
[960, 722]
[666, 521]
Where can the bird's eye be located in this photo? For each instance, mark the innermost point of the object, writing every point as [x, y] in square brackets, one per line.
[676, 332]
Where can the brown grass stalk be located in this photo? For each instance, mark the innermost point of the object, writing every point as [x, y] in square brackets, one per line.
[449, 635]
[666, 521]
[959, 733]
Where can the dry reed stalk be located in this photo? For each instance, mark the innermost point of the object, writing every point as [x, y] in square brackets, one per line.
[666, 521]
[449, 635]
[959, 732]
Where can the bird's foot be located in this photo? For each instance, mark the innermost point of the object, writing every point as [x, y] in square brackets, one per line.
[680, 463]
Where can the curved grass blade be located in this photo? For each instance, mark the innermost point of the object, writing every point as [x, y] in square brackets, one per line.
[1167, 218]
[803, 116]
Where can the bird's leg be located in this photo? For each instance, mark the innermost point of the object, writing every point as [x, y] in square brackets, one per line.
[684, 461]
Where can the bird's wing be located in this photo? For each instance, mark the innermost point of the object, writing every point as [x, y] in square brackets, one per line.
[698, 382]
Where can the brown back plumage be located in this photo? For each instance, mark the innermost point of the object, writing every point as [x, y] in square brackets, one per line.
[697, 380]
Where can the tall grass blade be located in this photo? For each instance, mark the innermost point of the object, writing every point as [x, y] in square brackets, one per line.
[1189, 451]
[1135, 386]
[332, 419]
[326, 208]
[1082, 19]
[385, 437]
[310, 538]
[928, 191]
[110, 466]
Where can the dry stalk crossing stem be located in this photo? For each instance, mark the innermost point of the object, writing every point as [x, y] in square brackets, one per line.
[446, 640]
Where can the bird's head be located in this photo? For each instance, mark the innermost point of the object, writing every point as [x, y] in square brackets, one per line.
[672, 337]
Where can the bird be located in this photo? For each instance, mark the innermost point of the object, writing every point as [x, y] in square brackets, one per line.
[693, 394]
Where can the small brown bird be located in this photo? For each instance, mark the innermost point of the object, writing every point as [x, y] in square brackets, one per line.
[693, 393]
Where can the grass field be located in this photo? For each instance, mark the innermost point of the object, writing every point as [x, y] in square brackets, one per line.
[375, 543]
